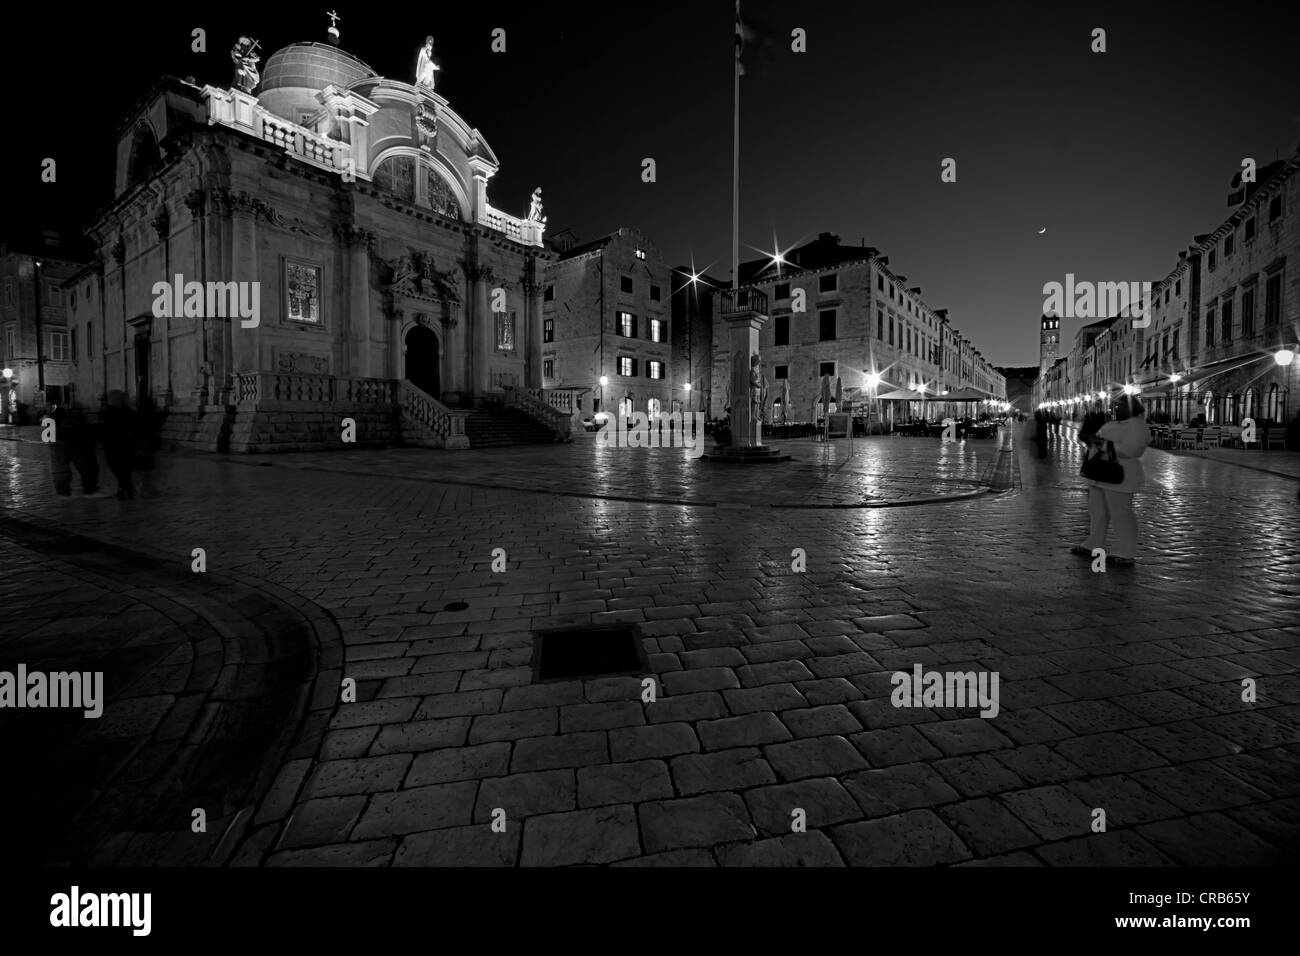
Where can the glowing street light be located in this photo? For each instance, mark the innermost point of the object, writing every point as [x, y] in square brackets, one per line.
[1130, 389]
[687, 386]
[1175, 378]
[1284, 357]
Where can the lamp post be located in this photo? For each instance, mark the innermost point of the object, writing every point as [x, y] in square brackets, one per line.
[7, 397]
[604, 380]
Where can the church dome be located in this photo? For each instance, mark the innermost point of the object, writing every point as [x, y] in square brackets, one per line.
[294, 74]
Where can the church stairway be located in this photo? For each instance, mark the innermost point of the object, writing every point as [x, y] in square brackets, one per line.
[493, 428]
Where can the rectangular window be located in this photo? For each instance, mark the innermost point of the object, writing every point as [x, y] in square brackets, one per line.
[880, 324]
[548, 368]
[1214, 256]
[1229, 243]
[9, 291]
[53, 294]
[11, 346]
[625, 366]
[656, 330]
[548, 330]
[72, 341]
[826, 318]
[1275, 208]
[781, 331]
[1273, 299]
[1225, 325]
[654, 369]
[1178, 287]
[505, 331]
[891, 330]
[781, 371]
[880, 282]
[654, 294]
[1166, 295]
[1175, 355]
[828, 283]
[58, 345]
[782, 291]
[625, 284]
[1250, 228]
[302, 285]
[1248, 312]
[1209, 329]
[90, 340]
[627, 325]
[549, 294]
[826, 368]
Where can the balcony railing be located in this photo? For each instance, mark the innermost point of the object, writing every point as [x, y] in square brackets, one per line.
[744, 300]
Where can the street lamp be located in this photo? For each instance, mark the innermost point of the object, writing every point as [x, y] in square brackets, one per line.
[9, 383]
[602, 415]
[1284, 357]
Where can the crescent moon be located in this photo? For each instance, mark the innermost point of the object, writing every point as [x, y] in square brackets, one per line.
[1043, 230]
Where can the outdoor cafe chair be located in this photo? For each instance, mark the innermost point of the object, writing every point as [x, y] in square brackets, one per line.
[1185, 438]
[1230, 436]
[1274, 436]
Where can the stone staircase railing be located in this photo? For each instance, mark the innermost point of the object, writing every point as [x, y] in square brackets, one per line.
[531, 403]
[559, 399]
[266, 387]
[426, 421]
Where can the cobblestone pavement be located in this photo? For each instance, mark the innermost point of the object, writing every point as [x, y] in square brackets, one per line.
[1119, 691]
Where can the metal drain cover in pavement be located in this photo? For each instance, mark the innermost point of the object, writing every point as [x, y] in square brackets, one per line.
[566, 653]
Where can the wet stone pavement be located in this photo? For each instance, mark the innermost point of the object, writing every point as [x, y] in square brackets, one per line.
[1119, 691]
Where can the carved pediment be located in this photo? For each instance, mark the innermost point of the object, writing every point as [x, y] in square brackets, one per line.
[416, 277]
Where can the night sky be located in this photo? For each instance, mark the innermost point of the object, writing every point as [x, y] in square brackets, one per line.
[1122, 156]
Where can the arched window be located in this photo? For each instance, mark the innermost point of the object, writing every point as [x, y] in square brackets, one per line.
[441, 196]
[1230, 409]
[1209, 409]
[144, 156]
[1273, 407]
[1248, 407]
[397, 176]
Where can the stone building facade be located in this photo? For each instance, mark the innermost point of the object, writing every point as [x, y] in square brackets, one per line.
[38, 354]
[607, 312]
[352, 209]
[1219, 340]
[840, 312]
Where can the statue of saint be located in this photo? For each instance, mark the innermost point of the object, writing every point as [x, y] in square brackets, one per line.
[756, 396]
[535, 207]
[425, 67]
[244, 55]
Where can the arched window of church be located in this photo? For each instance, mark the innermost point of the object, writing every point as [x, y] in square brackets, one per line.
[441, 197]
[1273, 410]
[144, 156]
[397, 176]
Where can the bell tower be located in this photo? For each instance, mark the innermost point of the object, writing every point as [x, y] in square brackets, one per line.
[1049, 339]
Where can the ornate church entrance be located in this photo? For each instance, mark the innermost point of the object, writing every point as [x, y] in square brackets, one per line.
[422, 361]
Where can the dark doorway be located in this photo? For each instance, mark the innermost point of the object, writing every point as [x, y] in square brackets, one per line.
[422, 361]
[141, 368]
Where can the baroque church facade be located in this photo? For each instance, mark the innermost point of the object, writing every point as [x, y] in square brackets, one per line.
[352, 209]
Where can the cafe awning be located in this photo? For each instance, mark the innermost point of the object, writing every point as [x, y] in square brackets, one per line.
[905, 395]
[962, 395]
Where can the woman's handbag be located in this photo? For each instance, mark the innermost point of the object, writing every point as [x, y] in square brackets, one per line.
[1104, 467]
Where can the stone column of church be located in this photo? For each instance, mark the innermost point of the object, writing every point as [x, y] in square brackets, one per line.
[533, 320]
[359, 243]
[162, 225]
[480, 323]
[244, 342]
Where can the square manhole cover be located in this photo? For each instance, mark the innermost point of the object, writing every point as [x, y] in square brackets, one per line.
[597, 651]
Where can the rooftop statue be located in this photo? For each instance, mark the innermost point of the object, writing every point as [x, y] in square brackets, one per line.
[535, 207]
[244, 55]
[424, 66]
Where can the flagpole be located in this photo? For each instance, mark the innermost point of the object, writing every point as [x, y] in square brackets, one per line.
[735, 165]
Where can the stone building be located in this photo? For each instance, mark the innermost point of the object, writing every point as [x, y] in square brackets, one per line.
[315, 247]
[840, 312]
[607, 312]
[1218, 342]
[38, 346]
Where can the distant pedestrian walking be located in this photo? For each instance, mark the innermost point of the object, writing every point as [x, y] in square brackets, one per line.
[1111, 503]
[60, 448]
[1040, 432]
[118, 433]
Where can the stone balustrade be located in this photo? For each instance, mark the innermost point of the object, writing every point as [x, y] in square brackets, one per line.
[531, 403]
[445, 425]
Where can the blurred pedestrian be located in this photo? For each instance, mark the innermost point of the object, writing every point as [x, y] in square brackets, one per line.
[1112, 503]
[118, 430]
[60, 448]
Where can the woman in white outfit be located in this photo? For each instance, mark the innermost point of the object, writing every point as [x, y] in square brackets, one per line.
[1112, 504]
